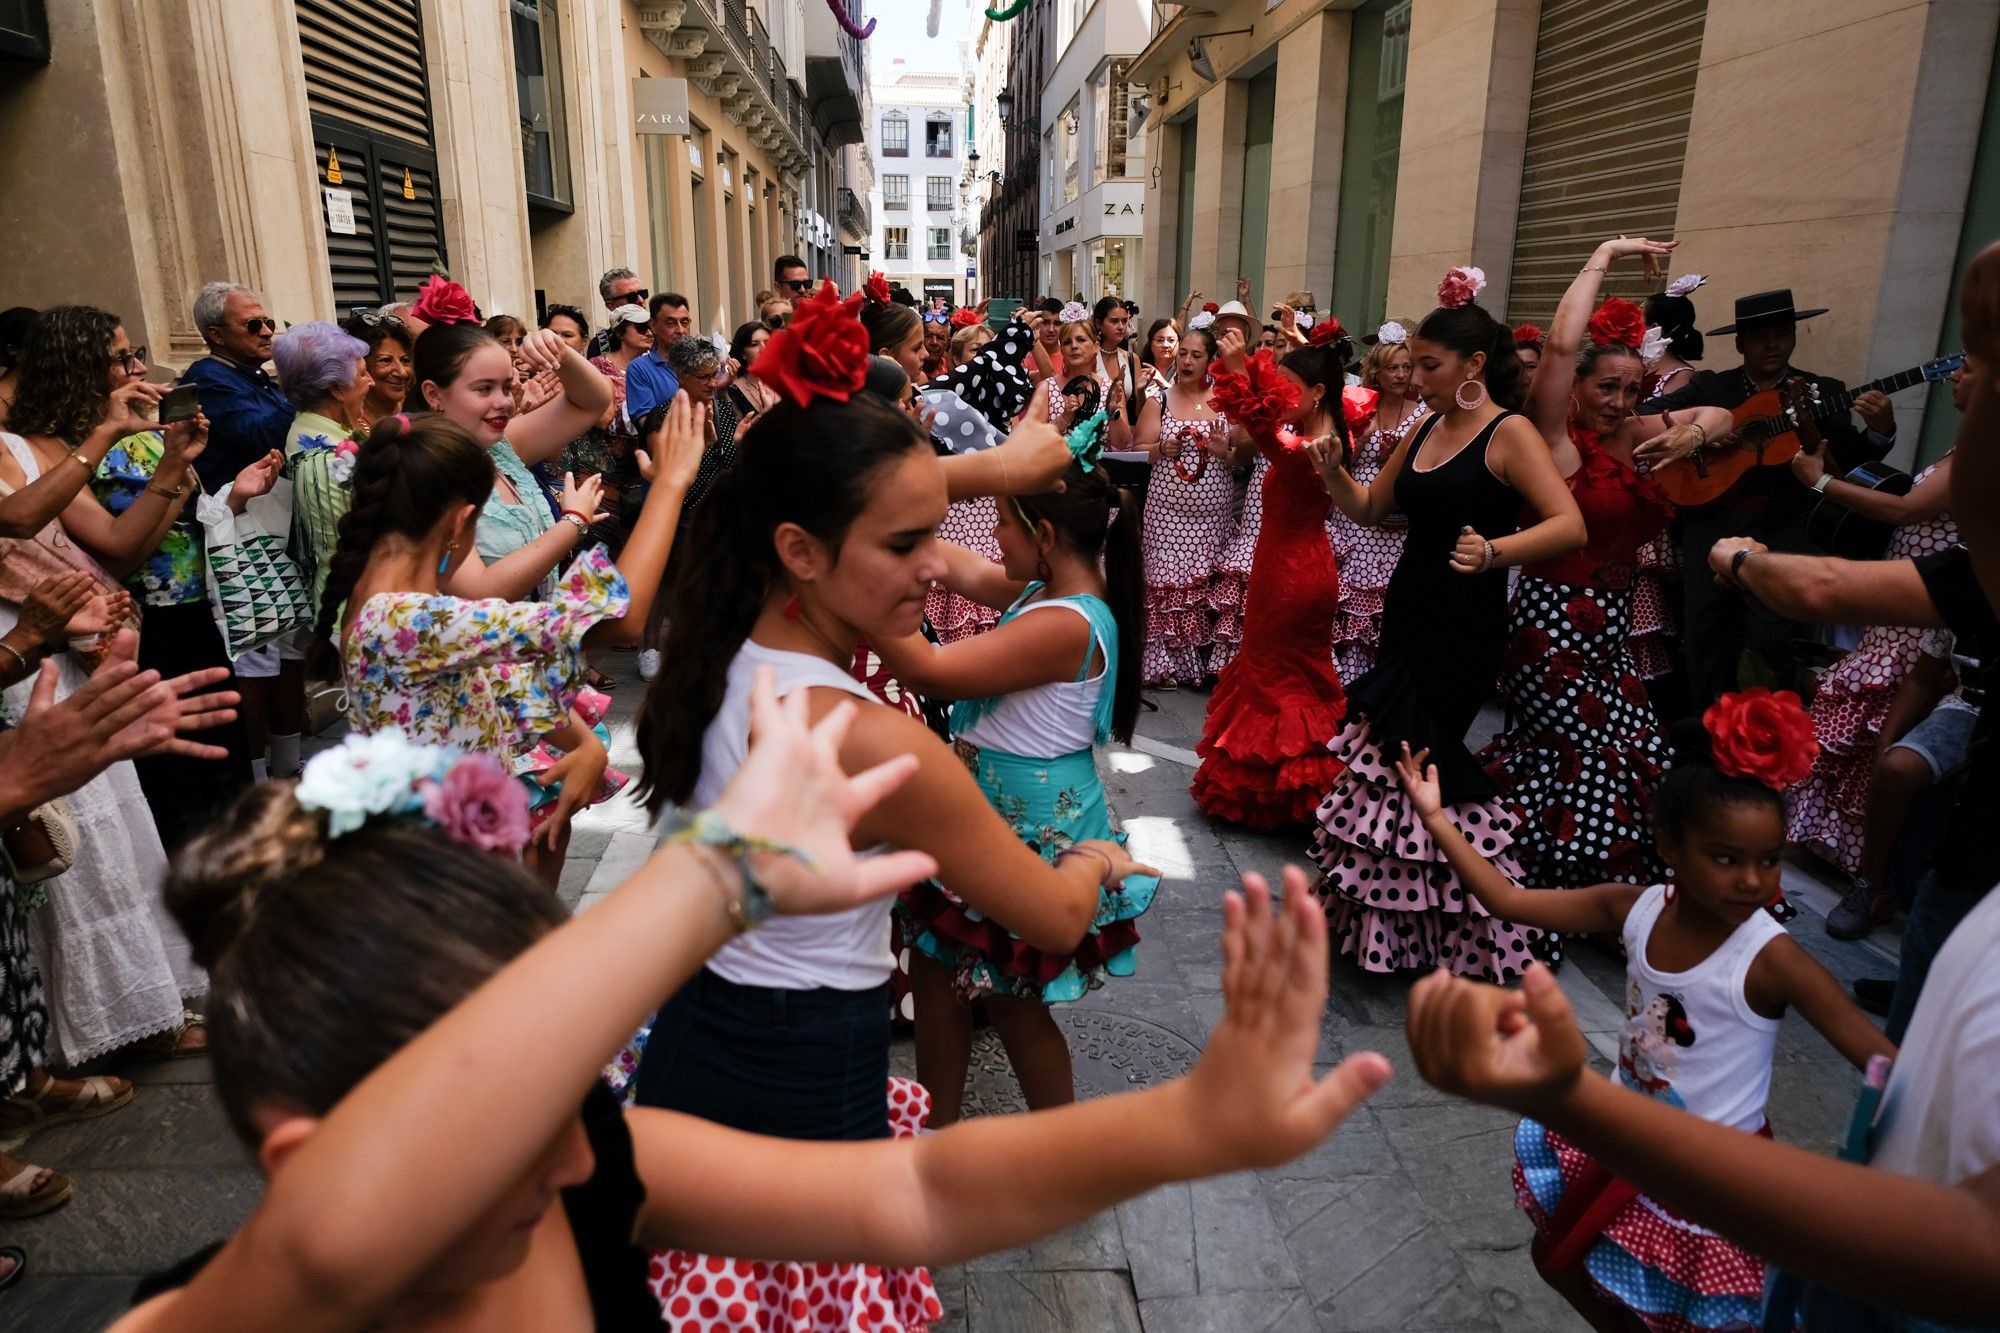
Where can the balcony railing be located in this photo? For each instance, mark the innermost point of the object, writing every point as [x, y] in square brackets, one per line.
[853, 212]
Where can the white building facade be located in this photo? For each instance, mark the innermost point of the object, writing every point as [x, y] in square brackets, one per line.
[1093, 168]
[918, 132]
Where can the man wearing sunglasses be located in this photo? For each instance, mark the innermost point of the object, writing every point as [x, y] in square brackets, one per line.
[618, 288]
[791, 277]
[247, 416]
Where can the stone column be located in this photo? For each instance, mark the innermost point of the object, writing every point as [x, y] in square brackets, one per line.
[482, 185]
[1465, 128]
[1311, 120]
[1159, 256]
[1218, 186]
[1830, 151]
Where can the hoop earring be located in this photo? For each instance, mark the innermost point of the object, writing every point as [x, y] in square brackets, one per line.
[1458, 396]
[1042, 571]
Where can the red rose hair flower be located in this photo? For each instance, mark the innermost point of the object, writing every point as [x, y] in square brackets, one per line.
[1618, 322]
[442, 301]
[1210, 308]
[1763, 735]
[1529, 335]
[964, 317]
[1326, 331]
[821, 353]
[1358, 405]
[877, 287]
[1258, 399]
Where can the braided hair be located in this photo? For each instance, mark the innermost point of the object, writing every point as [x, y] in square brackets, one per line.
[411, 470]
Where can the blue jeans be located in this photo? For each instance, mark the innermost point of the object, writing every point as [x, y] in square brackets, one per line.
[1935, 912]
[796, 1064]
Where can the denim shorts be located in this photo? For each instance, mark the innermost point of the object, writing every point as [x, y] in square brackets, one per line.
[796, 1064]
[1943, 739]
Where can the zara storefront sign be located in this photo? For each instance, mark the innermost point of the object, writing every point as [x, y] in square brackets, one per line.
[660, 106]
[1115, 208]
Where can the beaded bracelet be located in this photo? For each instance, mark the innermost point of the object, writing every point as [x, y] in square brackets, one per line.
[709, 830]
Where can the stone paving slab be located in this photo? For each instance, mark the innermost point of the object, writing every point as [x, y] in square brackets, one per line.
[1403, 1219]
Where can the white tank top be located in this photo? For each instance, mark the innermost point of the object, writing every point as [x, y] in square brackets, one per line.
[843, 951]
[1044, 721]
[1691, 1038]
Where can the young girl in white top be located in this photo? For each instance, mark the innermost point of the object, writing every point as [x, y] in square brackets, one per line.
[1708, 977]
[1036, 695]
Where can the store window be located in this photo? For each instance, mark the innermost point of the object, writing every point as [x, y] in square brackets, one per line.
[895, 192]
[895, 242]
[538, 89]
[895, 135]
[1067, 142]
[937, 193]
[1378, 58]
[940, 246]
[937, 134]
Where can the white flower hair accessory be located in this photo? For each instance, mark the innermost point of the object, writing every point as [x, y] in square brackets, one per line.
[1391, 332]
[1304, 319]
[1685, 284]
[1201, 319]
[472, 798]
[1654, 345]
[1075, 312]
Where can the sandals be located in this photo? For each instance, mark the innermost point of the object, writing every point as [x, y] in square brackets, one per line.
[23, 1116]
[173, 1043]
[20, 1258]
[597, 680]
[22, 1197]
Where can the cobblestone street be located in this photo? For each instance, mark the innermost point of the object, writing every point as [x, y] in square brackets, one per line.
[1404, 1219]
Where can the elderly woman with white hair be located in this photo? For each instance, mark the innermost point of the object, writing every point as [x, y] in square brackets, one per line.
[323, 370]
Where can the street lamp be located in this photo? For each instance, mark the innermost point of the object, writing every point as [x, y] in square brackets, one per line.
[1005, 105]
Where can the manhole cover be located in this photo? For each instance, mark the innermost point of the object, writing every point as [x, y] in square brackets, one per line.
[1108, 1053]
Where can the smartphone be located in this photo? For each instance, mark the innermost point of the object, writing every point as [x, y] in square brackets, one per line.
[180, 404]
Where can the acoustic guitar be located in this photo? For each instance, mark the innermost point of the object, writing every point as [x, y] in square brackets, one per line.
[1766, 431]
[1838, 530]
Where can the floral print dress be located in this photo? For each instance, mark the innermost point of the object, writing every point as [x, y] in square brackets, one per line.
[483, 675]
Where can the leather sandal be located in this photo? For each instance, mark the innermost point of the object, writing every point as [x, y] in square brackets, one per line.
[22, 1116]
[172, 1044]
[21, 1197]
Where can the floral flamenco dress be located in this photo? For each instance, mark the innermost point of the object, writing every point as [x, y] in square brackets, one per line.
[1583, 751]
[1392, 899]
[1264, 761]
[1366, 555]
[482, 675]
[1824, 812]
[1032, 754]
[1190, 504]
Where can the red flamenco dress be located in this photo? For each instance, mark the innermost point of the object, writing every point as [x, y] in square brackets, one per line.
[1264, 761]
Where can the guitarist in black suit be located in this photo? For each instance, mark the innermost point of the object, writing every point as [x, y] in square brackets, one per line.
[1718, 625]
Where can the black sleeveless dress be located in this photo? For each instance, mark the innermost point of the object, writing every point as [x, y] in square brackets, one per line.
[1391, 897]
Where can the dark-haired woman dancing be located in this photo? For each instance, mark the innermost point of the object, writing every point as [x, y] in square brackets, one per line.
[1463, 479]
[1263, 744]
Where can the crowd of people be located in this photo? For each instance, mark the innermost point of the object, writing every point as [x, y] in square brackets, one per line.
[895, 574]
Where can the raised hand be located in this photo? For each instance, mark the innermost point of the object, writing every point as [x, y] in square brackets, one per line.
[1232, 348]
[1420, 781]
[55, 601]
[1329, 458]
[255, 480]
[1035, 456]
[540, 387]
[183, 442]
[542, 350]
[104, 612]
[585, 497]
[1256, 1101]
[1520, 1050]
[673, 451]
[792, 789]
[1671, 444]
[132, 408]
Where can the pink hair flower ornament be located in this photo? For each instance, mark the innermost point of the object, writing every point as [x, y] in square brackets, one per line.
[1461, 287]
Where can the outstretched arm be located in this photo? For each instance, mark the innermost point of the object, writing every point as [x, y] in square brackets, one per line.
[1037, 648]
[1788, 977]
[1826, 590]
[1555, 377]
[1598, 910]
[1929, 1249]
[540, 435]
[1927, 499]
[1251, 1101]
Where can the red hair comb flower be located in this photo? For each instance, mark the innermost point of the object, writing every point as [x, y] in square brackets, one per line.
[442, 301]
[1257, 399]
[1618, 322]
[964, 317]
[1529, 335]
[1328, 330]
[877, 287]
[1210, 308]
[1461, 286]
[1762, 735]
[821, 353]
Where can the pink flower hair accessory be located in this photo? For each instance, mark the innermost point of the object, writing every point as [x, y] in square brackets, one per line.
[1461, 286]
[442, 301]
[479, 803]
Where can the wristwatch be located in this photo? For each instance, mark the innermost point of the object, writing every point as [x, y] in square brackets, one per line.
[582, 527]
[1825, 479]
[1736, 563]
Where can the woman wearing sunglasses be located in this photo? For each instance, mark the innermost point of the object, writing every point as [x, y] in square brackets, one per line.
[388, 363]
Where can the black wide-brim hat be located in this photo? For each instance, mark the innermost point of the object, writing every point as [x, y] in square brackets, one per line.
[1761, 308]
